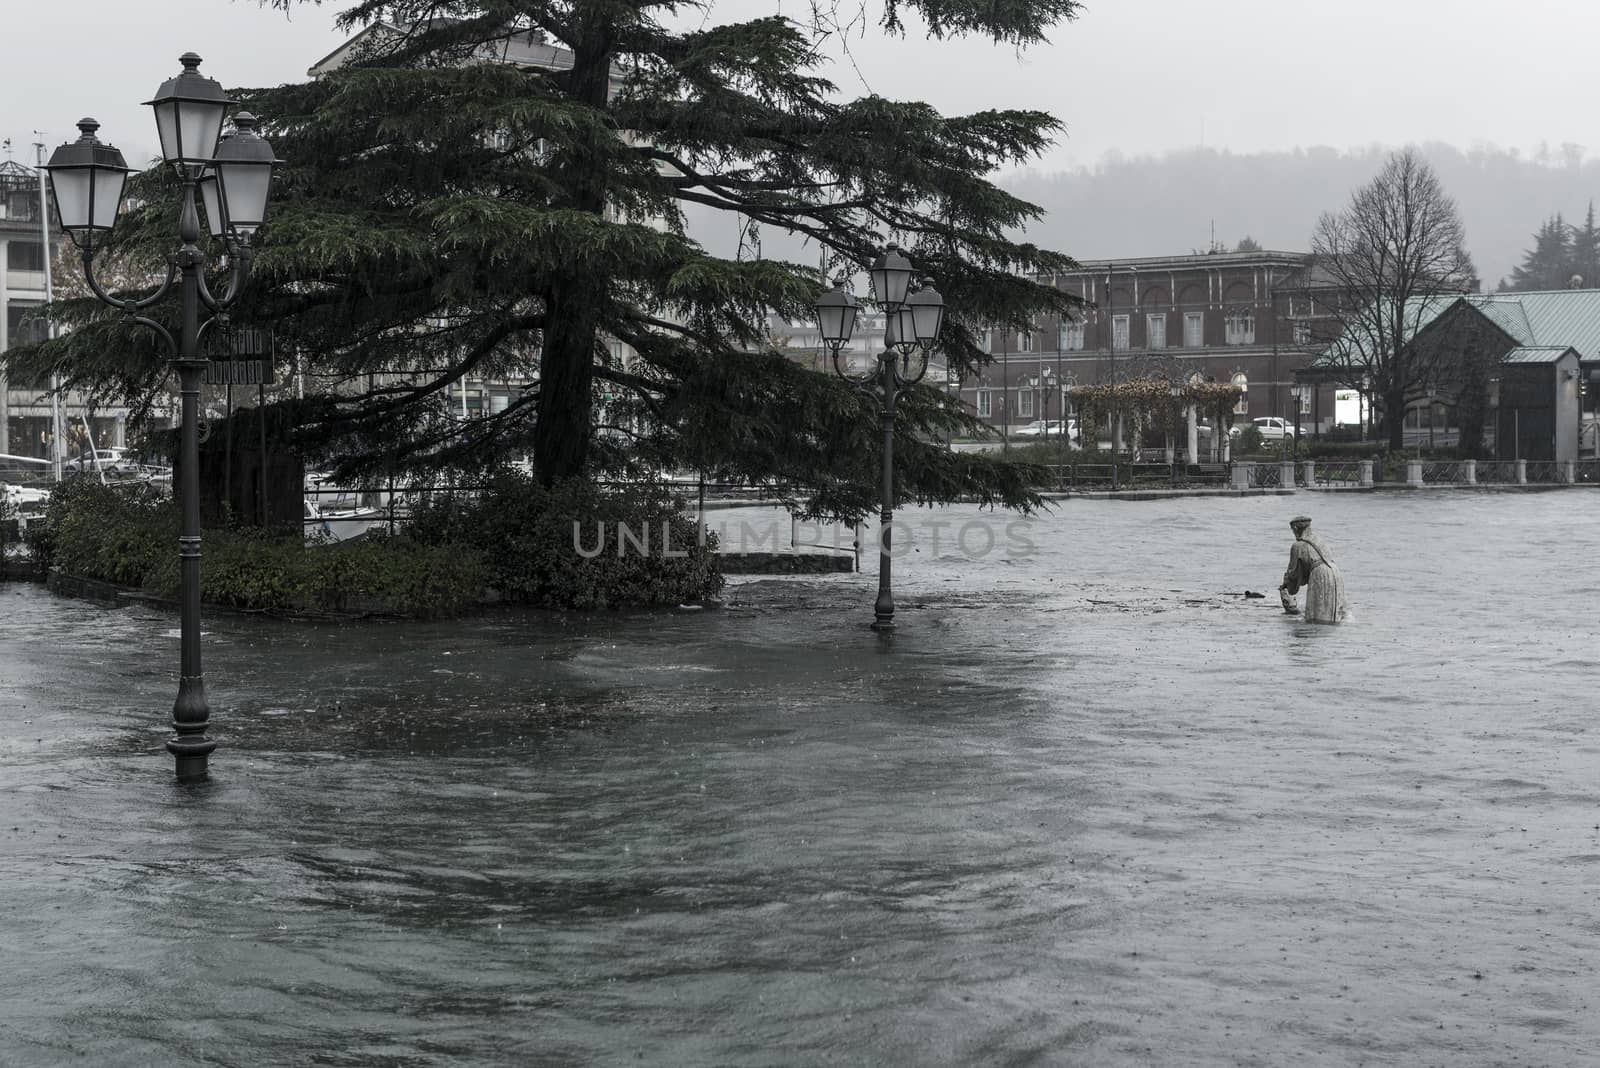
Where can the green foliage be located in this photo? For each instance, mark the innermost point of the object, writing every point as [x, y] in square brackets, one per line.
[1340, 450]
[564, 546]
[103, 532]
[443, 216]
[130, 539]
[1249, 441]
[1549, 263]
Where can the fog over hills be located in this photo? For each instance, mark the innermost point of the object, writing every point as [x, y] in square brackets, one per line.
[1168, 204]
[1152, 206]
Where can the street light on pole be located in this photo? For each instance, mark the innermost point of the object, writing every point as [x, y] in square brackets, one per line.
[233, 175]
[912, 320]
[1175, 389]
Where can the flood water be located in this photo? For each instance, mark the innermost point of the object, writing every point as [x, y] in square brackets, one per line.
[1087, 806]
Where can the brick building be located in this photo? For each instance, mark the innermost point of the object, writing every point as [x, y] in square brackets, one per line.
[1249, 317]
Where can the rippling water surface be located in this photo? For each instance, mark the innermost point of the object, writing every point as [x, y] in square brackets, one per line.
[1087, 806]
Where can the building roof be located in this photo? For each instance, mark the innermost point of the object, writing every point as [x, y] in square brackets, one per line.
[1556, 319]
[1196, 259]
[1537, 354]
[523, 48]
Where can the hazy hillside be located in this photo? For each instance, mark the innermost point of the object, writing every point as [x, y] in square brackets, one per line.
[1153, 206]
[1156, 206]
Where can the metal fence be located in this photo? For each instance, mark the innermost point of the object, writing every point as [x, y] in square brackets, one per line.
[1495, 471]
[1543, 471]
[1093, 476]
[1444, 472]
[1265, 476]
[1337, 473]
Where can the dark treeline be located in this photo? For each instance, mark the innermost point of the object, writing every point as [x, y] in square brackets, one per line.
[1161, 205]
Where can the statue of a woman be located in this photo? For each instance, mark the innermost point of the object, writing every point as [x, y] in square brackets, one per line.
[1311, 565]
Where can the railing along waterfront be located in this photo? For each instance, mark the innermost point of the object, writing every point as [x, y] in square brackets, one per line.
[1543, 472]
[1496, 471]
[1444, 472]
[1105, 476]
[1266, 476]
[1338, 472]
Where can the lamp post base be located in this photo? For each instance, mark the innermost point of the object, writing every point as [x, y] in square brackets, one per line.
[192, 757]
[882, 624]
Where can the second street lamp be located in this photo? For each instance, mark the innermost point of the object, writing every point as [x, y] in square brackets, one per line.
[912, 321]
[87, 178]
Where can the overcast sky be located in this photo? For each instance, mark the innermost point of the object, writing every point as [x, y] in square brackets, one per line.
[1133, 76]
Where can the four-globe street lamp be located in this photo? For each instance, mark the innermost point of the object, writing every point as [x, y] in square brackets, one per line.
[912, 320]
[232, 174]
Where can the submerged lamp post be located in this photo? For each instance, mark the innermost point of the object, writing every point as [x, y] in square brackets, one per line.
[912, 319]
[232, 175]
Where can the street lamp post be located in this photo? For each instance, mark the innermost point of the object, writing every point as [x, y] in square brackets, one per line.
[912, 319]
[1297, 393]
[232, 174]
[1175, 389]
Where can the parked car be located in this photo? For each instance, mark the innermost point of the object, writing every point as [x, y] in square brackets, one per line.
[1040, 428]
[98, 459]
[1271, 426]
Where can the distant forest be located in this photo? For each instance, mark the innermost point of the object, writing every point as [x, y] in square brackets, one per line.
[1167, 205]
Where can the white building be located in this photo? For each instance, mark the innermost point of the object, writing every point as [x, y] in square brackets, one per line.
[27, 416]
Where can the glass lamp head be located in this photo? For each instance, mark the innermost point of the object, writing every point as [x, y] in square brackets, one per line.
[926, 306]
[891, 276]
[836, 314]
[87, 179]
[243, 168]
[189, 108]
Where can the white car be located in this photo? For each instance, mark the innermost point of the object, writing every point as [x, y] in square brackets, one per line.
[99, 459]
[1041, 428]
[1271, 426]
[23, 499]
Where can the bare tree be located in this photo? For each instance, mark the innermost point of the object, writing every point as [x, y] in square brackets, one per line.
[1395, 257]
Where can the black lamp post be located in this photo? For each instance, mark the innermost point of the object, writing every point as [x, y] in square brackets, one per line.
[1176, 391]
[912, 319]
[233, 174]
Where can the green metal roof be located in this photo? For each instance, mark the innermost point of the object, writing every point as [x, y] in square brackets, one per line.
[1558, 319]
[1536, 354]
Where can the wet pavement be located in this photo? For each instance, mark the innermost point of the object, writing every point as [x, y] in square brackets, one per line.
[1087, 806]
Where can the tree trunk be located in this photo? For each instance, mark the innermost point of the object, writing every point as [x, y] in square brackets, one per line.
[1394, 419]
[564, 427]
[566, 380]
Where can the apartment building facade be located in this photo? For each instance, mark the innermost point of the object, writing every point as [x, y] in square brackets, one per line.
[30, 423]
[1251, 318]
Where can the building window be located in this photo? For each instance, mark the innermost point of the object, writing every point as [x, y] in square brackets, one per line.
[985, 404]
[1119, 333]
[1302, 332]
[1156, 331]
[1242, 383]
[24, 256]
[1194, 330]
[1306, 393]
[1025, 341]
[987, 343]
[1071, 336]
[24, 324]
[1024, 404]
[1239, 328]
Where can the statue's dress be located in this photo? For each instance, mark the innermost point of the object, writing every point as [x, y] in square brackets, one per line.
[1312, 566]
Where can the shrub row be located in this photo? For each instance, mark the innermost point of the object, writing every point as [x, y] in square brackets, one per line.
[573, 546]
